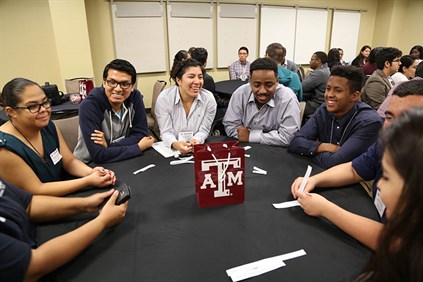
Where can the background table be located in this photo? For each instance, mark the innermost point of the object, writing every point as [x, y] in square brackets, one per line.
[65, 110]
[165, 236]
[227, 87]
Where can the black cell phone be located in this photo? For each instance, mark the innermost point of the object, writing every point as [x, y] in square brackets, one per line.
[186, 155]
[124, 193]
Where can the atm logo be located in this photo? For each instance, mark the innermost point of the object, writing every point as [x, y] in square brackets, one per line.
[225, 178]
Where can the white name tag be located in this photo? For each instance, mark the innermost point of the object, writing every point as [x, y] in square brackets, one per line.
[185, 136]
[380, 206]
[55, 156]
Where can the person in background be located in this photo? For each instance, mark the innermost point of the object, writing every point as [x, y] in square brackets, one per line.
[407, 69]
[341, 57]
[33, 153]
[289, 65]
[185, 112]
[399, 251]
[112, 119]
[21, 259]
[263, 111]
[314, 85]
[200, 54]
[361, 58]
[334, 59]
[240, 69]
[378, 84]
[180, 56]
[365, 167]
[417, 52]
[382, 109]
[285, 76]
[370, 66]
[342, 128]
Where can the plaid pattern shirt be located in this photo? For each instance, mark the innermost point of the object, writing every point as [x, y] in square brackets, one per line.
[239, 71]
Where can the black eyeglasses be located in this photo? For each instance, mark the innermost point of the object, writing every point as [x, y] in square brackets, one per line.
[35, 109]
[123, 84]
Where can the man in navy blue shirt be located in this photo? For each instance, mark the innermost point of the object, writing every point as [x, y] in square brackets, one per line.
[365, 167]
[342, 128]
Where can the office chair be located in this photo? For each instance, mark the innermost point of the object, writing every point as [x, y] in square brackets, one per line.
[69, 129]
[151, 117]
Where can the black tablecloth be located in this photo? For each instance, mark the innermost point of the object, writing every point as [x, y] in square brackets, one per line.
[227, 87]
[165, 236]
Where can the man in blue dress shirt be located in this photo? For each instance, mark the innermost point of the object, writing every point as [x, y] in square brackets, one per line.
[342, 128]
[263, 111]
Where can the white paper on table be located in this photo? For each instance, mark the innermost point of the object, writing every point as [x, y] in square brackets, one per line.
[272, 265]
[144, 168]
[288, 204]
[255, 267]
[292, 255]
[305, 179]
[262, 266]
[164, 150]
[260, 172]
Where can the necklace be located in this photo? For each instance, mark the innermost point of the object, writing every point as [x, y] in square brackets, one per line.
[33, 147]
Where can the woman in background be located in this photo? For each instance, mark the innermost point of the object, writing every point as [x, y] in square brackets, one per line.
[341, 56]
[417, 52]
[34, 156]
[370, 66]
[334, 58]
[361, 58]
[407, 69]
[185, 112]
[399, 255]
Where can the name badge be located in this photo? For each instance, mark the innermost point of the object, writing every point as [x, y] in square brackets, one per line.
[55, 156]
[185, 136]
[380, 206]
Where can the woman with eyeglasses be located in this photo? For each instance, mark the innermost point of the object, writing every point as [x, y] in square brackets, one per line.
[407, 69]
[34, 156]
[185, 112]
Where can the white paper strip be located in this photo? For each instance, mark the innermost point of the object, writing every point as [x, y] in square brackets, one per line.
[305, 179]
[178, 162]
[257, 271]
[260, 172]
[257, 168]
[262, 266]
[247, 148]
[144, 169]
[252, 266]
[292, 255]
[285, 205]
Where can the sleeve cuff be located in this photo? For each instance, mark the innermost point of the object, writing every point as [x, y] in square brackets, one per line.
[255, 136]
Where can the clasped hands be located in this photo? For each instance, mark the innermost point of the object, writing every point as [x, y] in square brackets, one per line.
[185, 147]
